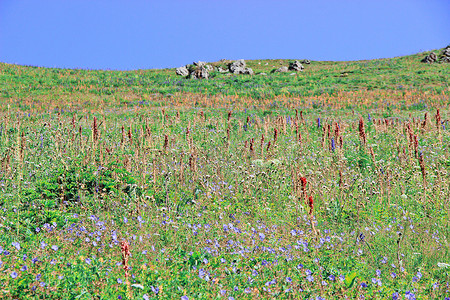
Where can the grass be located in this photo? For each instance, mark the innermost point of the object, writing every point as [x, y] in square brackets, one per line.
[209, 188]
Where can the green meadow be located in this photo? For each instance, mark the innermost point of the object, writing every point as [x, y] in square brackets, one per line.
[330, 183]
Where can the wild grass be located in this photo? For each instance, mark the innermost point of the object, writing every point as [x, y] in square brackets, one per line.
[199, 196]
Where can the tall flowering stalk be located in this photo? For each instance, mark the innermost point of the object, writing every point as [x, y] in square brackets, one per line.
[311, 213]
[438, 119]
[362, 131]
[95, 131]
[125, 248]
[303, 182]
[422, 169]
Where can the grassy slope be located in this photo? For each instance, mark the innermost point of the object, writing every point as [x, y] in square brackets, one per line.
[202, 167]
[406, 72]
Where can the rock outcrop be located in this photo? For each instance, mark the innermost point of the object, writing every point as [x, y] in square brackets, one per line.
[306, 62]
[282, 69]
[221, 70]
[198, 70]
[182, 71]
[240, 67]
[431, 58]
[445, 56]
[296, 66]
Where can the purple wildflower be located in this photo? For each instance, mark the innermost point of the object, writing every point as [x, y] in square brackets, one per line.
[16, 245]
[155, 290]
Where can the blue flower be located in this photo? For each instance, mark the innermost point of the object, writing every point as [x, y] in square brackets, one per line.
[14, 275]
[184, 297]
[55, 248]
[395, 296]
[155, 290]
[310, 278]
[363, 284]
[24, 268]
[16, 245]
[410, 295]
[419, 275]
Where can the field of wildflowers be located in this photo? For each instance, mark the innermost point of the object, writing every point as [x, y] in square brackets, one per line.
[203, 195]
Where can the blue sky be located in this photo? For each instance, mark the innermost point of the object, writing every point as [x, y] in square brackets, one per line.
[132, 34]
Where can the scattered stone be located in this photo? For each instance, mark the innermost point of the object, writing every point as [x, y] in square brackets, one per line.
[199, 73]
[282, 69]
[445, 56]
[296, 66]
[264, 74]
[199, 64]
[292, 74]
[240, 67]
[306, 62]
[237, 67]
[266, 64]
[431, 58]
[182, 71]
[197, 70]
[445, 59]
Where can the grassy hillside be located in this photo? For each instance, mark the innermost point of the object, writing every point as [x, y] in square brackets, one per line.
[318, 78]
[330, 184]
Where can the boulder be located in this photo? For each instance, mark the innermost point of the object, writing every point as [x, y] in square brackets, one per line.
[240, 67]
[306, 61]
[209, 68]
[182, 71]
[296, 66]
[221, 70]
[199, 73]
[282, 69]
[248, 71]
[431, 58]
[237, 67]
[445, 56]
[199, 63]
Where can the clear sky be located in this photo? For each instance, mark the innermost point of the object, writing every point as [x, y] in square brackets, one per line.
[132, 34]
